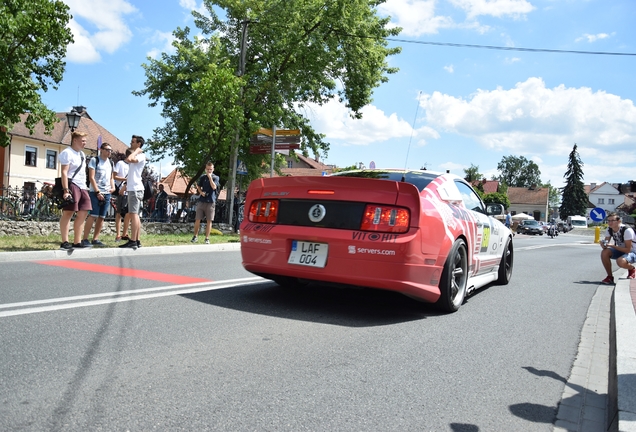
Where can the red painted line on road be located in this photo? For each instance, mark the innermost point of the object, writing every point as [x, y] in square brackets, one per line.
[120, 271]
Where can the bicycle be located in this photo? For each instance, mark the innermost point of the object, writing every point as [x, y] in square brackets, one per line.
[44, 208]
[10, 205]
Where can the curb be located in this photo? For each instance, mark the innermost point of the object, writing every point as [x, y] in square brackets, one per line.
[623, 378]
[113, 252]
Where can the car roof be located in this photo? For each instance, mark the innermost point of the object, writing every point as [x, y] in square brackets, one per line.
[418, 178]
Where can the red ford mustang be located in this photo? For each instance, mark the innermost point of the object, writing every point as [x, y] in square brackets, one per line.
[426, 235]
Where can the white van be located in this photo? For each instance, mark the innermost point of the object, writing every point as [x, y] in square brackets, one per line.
[577, 222]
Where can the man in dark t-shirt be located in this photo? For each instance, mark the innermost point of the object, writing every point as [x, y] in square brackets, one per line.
[208, 188]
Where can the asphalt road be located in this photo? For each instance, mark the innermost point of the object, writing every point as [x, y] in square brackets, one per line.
[204, 345]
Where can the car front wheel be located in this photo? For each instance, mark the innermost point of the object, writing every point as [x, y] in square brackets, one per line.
[454, 278]
[505, 266]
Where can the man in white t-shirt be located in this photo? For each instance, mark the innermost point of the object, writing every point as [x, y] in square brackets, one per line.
[73, 169]
[135, 188]
[121, 172]
[102, 184]
[622, 248]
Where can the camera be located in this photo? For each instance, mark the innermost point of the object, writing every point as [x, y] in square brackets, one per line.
[64, 202]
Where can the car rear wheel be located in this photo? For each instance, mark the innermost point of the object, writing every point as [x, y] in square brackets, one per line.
[454, 278]
[505, 266]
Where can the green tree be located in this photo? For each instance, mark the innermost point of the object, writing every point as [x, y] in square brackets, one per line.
[517, 171]
[297, 52]
[574, 197]
[497, 198]
[472, 174]
[33, 40]
[554, 196]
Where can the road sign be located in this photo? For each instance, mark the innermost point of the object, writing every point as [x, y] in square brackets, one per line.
[597, 214]
[264, 149]
[279, 132]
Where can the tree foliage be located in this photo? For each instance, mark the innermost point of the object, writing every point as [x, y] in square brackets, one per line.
[472, 174]
[497, 198]
[33, 40]
[554, 196]
[575, 199]
[297, 52]
[517, 171]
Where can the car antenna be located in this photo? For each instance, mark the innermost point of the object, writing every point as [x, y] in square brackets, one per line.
[408, 149]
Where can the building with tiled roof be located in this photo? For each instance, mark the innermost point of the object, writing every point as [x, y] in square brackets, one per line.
[176, 182]
[532, 201]
[299, 165]
[604, 195]
[490, 186]
[32, 159]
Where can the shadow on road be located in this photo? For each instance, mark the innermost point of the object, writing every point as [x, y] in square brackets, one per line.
[321, 304]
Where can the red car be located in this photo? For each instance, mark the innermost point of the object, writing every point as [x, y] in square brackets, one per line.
[420, 233]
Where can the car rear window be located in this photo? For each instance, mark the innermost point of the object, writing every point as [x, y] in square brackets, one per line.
[420, 179]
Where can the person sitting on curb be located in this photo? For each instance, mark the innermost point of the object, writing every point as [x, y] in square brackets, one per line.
[623, 250]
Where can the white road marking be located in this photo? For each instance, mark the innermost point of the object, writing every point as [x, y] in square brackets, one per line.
[118, 296]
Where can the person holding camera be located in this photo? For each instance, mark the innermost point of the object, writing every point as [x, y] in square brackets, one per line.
[208, 188]
[135, 188]
[72, 161]
[121, 203]
[623, 249]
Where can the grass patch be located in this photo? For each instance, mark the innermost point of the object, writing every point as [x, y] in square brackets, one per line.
[53, 241]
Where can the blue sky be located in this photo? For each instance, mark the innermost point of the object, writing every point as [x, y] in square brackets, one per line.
[446, 108]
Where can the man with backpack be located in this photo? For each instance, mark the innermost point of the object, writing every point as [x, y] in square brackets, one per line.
[623, 249]
[135, 188]
[101, 185]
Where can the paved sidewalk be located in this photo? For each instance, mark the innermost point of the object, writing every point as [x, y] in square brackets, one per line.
[96, 252]
[584, 402]
[601, 388]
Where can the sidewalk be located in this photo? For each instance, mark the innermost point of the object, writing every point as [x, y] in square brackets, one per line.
[96, 252]
[601, 389]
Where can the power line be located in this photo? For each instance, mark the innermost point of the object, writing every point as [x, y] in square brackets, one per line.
[456, 45]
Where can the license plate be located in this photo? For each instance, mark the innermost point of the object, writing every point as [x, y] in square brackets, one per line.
[308, 254]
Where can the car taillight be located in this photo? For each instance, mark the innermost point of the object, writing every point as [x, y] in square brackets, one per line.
[385, 219]
[263, 211]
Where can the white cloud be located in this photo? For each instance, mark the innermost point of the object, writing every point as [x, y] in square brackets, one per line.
[449, 68]
[593, 38]
[496, 8]
[164, 38]
[416, 17]
[97, 26]
[533, 120]
[191, 5]
[334, 121]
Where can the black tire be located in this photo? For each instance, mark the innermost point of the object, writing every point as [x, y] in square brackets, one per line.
[452, 285]
[505, 266]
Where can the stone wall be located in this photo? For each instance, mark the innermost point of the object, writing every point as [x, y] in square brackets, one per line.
[33, 228]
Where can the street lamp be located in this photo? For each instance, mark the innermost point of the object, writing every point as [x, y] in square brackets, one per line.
[73, 119]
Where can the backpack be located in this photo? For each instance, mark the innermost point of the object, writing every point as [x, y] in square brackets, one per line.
[88, 180]
[148, 190]
[621, 233]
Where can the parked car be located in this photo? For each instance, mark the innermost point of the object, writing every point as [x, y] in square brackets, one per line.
[530, 227]
[563, 227]
[423, 234]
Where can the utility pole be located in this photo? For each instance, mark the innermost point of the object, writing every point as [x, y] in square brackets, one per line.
[234, 156]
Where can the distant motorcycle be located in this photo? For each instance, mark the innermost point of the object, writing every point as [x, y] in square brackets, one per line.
[553, 231]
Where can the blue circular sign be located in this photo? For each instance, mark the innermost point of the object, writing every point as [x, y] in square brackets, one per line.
[597, 214]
